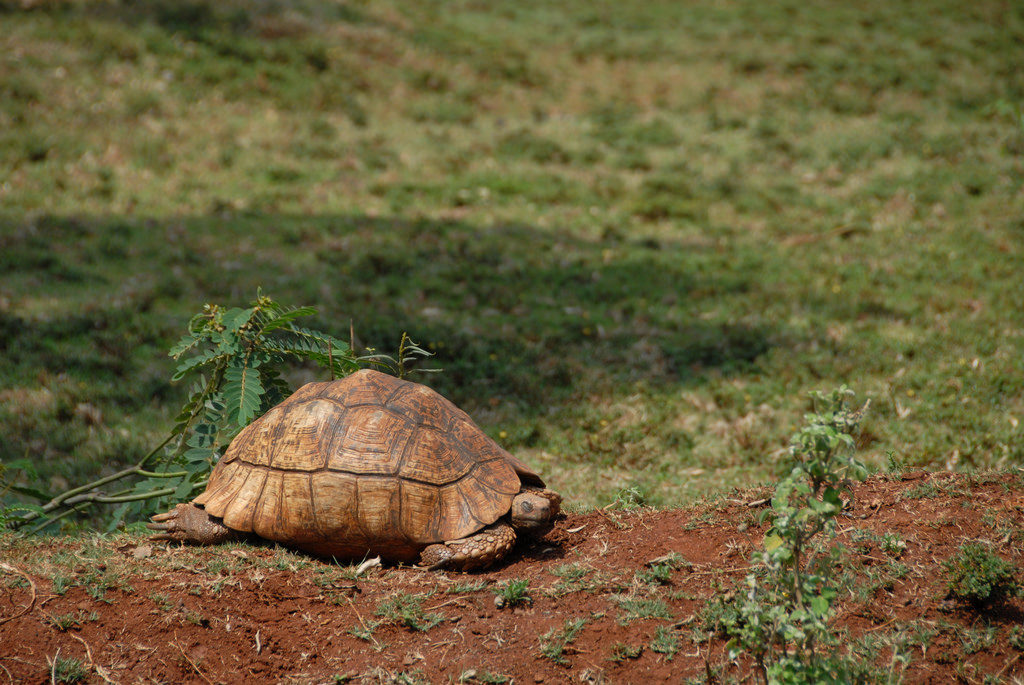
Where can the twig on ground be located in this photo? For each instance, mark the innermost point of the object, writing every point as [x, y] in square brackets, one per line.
[100, 670]
[32, 601]
[192, 663]
[719, 570]
[1007, 665]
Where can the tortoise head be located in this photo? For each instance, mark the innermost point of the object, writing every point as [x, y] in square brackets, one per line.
[534, 510]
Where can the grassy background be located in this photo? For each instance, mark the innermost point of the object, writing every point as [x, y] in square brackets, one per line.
[635, 233]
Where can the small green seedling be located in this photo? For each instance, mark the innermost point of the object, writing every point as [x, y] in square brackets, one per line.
[512, 593]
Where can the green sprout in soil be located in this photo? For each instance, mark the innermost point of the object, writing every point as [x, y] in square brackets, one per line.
[513, 593]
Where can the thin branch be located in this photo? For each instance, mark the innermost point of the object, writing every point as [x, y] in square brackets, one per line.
[103, 498]
[162, 474]
[64, 498]
[53, 519]
[74, 503]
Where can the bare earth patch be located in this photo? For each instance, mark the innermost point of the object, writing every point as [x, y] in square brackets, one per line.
[123, 610]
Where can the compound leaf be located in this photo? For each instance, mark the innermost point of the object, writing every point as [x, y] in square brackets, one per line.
[242, 393]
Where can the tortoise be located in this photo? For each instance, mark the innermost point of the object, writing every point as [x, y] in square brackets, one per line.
[368, 465]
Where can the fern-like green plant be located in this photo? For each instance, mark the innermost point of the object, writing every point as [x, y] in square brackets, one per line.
[235, 357]
[239, 354]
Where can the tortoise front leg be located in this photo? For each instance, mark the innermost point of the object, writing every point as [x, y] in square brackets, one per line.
[477, 551]
[188, 523]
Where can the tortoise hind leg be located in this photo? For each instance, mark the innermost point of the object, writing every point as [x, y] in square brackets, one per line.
[188, 523]
[477, 551]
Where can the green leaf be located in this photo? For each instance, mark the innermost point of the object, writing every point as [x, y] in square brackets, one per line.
[24, 464]
[314, 346]
[10, 512]
[195, 362]
[183, 490]
[186, 343]
[831, 495]
[322, 338]
[286, 319]
[204, 435]
[822, 508]
[820, 606]
[772, 542]
[234, 318]
[198, 455]
[29, 491]
[242, 393]
[117, 518]
[276, 389]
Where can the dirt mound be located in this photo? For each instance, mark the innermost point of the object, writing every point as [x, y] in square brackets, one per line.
[608, 596]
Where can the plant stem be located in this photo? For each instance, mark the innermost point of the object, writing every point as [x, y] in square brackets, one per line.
[165, 474]
[115, 499]
[53, 520]
[71, 495]
[73, 502]
[797, 594]
[208, 391]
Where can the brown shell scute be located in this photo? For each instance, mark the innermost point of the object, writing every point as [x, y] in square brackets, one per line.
[447, 462]
[371, 441]
[370, 462]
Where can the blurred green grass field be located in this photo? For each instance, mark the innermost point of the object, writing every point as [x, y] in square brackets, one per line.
[636, 234]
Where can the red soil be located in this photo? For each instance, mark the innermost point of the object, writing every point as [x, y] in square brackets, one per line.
[129, 611]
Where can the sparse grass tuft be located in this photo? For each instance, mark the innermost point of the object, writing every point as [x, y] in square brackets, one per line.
[61, 583]
[1016, 638]
[64, 622]
[660, 571]
[634, 608]
[365, 631]
[666, 641]
[474, 676]
[67, 670]
[575, 577]
[553, 643]
[621, 651]
[466, 587]
[926, 490]
[407, 610]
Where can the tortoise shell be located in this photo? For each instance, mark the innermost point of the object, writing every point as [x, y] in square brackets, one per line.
[367, 464]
